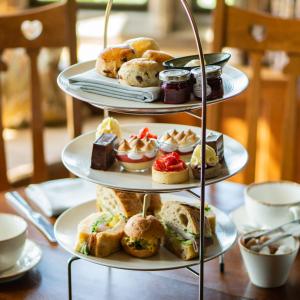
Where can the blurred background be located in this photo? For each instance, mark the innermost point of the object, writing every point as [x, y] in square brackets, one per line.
[166, 22]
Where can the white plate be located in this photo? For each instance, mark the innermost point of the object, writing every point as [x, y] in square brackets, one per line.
[65, 230]
[234, 82]
[30, 257]
[76, 157]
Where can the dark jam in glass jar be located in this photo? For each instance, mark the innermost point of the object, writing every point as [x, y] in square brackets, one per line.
[214, 87]
[176, 86]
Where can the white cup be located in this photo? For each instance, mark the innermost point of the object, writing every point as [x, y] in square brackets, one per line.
[271, 204]
[267, 270]
[13, 231]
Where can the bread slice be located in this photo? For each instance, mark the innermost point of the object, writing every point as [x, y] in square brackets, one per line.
[125, 203]
[100, 234]
[181, 222]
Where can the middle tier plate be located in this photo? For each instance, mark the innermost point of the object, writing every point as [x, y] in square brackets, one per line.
[76, 156]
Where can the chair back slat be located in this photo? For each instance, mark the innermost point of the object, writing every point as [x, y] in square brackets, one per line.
[50, 26]
[255, 33]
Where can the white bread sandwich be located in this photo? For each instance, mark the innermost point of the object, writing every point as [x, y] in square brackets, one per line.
[143, 236]
[100, 234]
[181, 223]
[127, 204]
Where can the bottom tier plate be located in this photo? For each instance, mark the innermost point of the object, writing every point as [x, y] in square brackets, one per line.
[66, 227]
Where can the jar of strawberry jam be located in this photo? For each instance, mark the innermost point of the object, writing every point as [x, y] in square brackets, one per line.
[176, 86]
[214, 86]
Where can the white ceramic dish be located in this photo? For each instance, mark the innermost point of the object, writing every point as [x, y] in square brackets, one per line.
[65, 230]
[13, 230]
[271, 204]
[30, 257]
[269, 271]
[76, 156]
[234, 82]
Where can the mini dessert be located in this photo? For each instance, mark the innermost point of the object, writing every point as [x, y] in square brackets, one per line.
[109, 125]
[140, 72]
[215, 140]
[100, 234]
[182, 142]
[182, 232]
[142, 44]
[103, 155]
[170, 169]
[126, 204]
[176, 86]
[137, 155]
[158, 56]
[111, 59]
[212, 165]
[144, 133]
[214, 86]
[143, 236]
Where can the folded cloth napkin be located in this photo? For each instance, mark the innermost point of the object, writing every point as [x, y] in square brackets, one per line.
[55, 196]
[92, 82]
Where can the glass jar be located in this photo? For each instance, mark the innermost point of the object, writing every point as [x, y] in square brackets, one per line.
[176, 86]
[214, 82]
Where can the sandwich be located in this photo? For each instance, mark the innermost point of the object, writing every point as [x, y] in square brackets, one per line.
[143, 236]
[181, 223]
[100, 234]
[127, 204]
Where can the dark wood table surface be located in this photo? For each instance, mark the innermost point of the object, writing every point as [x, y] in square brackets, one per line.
[49, 279]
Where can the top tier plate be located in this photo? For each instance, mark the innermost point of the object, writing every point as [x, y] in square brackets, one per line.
[234, 82]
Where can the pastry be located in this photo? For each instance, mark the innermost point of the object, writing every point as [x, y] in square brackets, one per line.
[144, 133]
[213, 167]
[181, 142]
[100, 234]
[140, 72]
[103, 154]
[142, 236]
[111, 59]
[158, 56]
[142, 44]
[126, 204]
[216, 141]
[182, 232]
[170, 169]
[137, 155]
[109, 125]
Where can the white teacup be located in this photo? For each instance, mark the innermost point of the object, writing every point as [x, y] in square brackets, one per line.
[271, 204]
[13, 231]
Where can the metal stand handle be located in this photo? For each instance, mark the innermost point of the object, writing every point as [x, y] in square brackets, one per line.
[73, 258]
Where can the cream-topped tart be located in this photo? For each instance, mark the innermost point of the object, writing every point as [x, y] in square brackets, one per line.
[137, 155]
[182, 142]
[170, 169]
[212, 165]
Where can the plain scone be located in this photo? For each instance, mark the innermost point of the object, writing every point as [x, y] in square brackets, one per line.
[111, 59]
[140, 72]
[142, 44]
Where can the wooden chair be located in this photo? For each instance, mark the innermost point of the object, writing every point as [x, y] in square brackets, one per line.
[49, 26]
[255, 33]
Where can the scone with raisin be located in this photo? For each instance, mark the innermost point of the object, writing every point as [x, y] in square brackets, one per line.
[140, 72]
[142, 44]
[111, 59]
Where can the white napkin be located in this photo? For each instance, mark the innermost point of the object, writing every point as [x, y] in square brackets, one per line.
[94, 83]
[55, 196]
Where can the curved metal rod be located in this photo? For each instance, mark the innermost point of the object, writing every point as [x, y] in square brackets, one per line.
[193, 24]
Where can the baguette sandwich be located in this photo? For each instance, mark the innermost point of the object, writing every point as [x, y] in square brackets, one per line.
[127, 204]
[100, 234]
[182, 232]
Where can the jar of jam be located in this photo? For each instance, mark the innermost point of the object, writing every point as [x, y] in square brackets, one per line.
[176, 86]
[214, 82]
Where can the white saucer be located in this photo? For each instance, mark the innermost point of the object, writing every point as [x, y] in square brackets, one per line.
[242, 221]
[30, 257]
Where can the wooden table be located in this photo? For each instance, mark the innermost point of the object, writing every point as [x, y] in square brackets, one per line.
[49, 279]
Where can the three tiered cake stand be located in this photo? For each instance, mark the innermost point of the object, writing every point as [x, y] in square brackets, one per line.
[76, 157]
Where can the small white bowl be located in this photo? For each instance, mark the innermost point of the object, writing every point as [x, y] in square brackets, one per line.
[269, 270]
[13, 231]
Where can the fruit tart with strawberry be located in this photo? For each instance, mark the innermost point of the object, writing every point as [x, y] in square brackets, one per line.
[170, 169]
